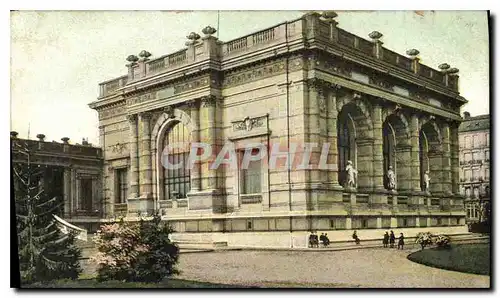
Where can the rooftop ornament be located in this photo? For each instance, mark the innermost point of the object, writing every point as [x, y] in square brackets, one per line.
[40, 137]
[329, 15]
[375, 35]
[13, 134]
[132, 59]
[444, 67]
[453, 70]
[413, 53]
[193, 37]
[144, 55]
[208, 31]
[65, 140]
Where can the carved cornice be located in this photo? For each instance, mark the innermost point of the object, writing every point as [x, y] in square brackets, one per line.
[249, 123]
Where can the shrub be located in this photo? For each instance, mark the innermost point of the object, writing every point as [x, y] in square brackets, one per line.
[442, 241]
[135, 252]
[118, 246]
[162, 255]
[424, 239]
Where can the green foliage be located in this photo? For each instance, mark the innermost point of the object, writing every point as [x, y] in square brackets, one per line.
[424, 239]
[158, 262]
[45, 253]
[443, 241]
[135, 252]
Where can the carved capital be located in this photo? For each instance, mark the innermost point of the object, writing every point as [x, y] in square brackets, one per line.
[132, 118]
[192, 103]
[208, 101]
[146, 115]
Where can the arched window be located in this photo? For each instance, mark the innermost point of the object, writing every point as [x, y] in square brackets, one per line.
[345, 145]
[177, 181]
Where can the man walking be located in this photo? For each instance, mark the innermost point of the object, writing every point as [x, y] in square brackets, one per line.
[392, 239]
[401, 241]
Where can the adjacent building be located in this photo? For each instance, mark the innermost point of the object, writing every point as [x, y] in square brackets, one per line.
[70, 172]
[474, 134]
[305, 80]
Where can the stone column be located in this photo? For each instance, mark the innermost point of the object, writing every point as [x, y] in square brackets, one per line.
[378, 157]
[415, 156]
[73, 190]
[67, 192]
[316, 96]
[454, 149]
[195, 137]
[145, 179]
[102, 194]
[332, 135]
[134, 160]
[208, 136]
[446, 159]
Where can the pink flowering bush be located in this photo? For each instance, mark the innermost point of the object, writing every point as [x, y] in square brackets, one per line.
[135, 251]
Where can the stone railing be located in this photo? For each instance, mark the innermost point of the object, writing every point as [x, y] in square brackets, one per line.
[55, 147]
[322, 32]
[109, 87]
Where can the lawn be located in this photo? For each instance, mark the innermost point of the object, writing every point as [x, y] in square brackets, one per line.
[92, 283]
[470, 258]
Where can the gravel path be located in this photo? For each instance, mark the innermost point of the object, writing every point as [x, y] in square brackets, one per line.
[381, 268]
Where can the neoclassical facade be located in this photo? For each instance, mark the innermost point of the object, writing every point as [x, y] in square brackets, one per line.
[474, 134]
[302, 81]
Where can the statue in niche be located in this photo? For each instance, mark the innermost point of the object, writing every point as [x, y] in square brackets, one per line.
[427, 180]
[248, 123]
[351, 174]
[391, 179]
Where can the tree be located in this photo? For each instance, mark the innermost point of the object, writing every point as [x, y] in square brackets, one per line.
[45, 253]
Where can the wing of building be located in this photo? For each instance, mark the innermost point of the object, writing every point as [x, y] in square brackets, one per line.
[301, 81]
[474, 134]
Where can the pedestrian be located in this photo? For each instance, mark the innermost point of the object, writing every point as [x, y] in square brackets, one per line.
[401, 241]
[355, 237]
[322, 238]
[386, 239]
[316, 241]
[327, 240]
[392, 239]
[311, 239]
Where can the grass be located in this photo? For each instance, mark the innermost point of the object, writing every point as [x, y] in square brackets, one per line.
[469, 258]
[93, 283]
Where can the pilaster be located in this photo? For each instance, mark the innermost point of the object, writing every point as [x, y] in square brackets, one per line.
[415, 156]
[134, 159]
[145, 177]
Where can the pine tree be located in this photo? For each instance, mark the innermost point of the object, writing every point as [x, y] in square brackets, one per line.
[45, 253]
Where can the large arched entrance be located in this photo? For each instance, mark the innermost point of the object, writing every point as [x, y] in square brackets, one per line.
[397, 151]
[354, 143]
[430, 156]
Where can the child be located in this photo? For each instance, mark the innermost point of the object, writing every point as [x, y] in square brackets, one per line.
[401, 241]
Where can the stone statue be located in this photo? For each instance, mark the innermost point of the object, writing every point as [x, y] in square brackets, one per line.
[427, 180]
[351, 174]
[391, 179]
[248, 124]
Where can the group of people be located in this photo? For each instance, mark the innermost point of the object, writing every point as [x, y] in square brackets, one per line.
[390, 239]
[314, 241]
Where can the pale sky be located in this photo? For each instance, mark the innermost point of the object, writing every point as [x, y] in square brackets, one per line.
[58, 58]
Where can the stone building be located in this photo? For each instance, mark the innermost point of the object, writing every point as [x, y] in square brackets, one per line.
[301, 81]
[71, 172]
[474, 134]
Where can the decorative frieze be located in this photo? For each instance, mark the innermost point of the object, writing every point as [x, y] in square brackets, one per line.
[141, 98]
[261, 71]
[111, 112]
[118, 148]
[192, 85]
[249, 123]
